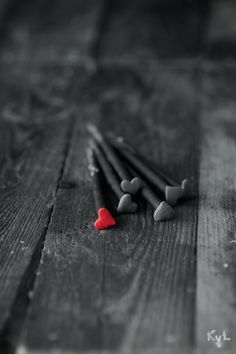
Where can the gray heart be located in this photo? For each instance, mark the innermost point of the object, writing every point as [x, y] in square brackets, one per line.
[173, 194]
[132, 186]
[126, 205]
[163, 212]
[187, 187]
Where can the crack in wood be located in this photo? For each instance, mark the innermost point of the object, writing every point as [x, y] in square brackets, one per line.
[12, 329]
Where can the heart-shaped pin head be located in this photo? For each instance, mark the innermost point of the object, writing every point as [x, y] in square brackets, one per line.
[187, 187]
[104, 220]
[163, 212]
[173, 194]
[126, 204]
[131, 187]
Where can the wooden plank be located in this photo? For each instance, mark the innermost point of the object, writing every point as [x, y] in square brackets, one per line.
[131, 288]
[52, 30]
[216, 268]
[152, 30]
[31, 155]
[220, 38]
[154, 308]
[72, 261]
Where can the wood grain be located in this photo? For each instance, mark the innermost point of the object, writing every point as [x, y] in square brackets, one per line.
[33, 145]
[216, 290]
[97, 291]
[141, 287]
[156, 264]
[68, 305]
[32, 158]
[36, 122]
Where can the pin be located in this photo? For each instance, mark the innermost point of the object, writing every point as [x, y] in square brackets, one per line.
[163, 211]
[186, 185]
[126, 204]
[128, 184]
[172, 192]
[105, 218]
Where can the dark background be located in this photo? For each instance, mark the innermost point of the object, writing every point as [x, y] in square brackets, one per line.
[151, 29]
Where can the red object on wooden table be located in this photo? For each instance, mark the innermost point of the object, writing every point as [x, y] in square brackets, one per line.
[104, 220]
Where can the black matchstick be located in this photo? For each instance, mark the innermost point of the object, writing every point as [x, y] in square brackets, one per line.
[105, 218]
[126, 204]
[186, 185]
[128, 184]
[163, 211]
[172, 190]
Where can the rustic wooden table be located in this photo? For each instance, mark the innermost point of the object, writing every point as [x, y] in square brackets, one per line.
[163, 74]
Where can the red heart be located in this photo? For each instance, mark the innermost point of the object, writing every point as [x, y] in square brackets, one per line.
[104, 219]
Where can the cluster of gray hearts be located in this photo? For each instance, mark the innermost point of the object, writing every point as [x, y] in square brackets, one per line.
[129, 174]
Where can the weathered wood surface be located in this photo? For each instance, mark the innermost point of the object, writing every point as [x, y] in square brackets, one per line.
[216, 266]
[35, 127]
[109, 285]
[70, 304]
[28, 183]
[143, 262]
[140, 287]
[33, 148]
